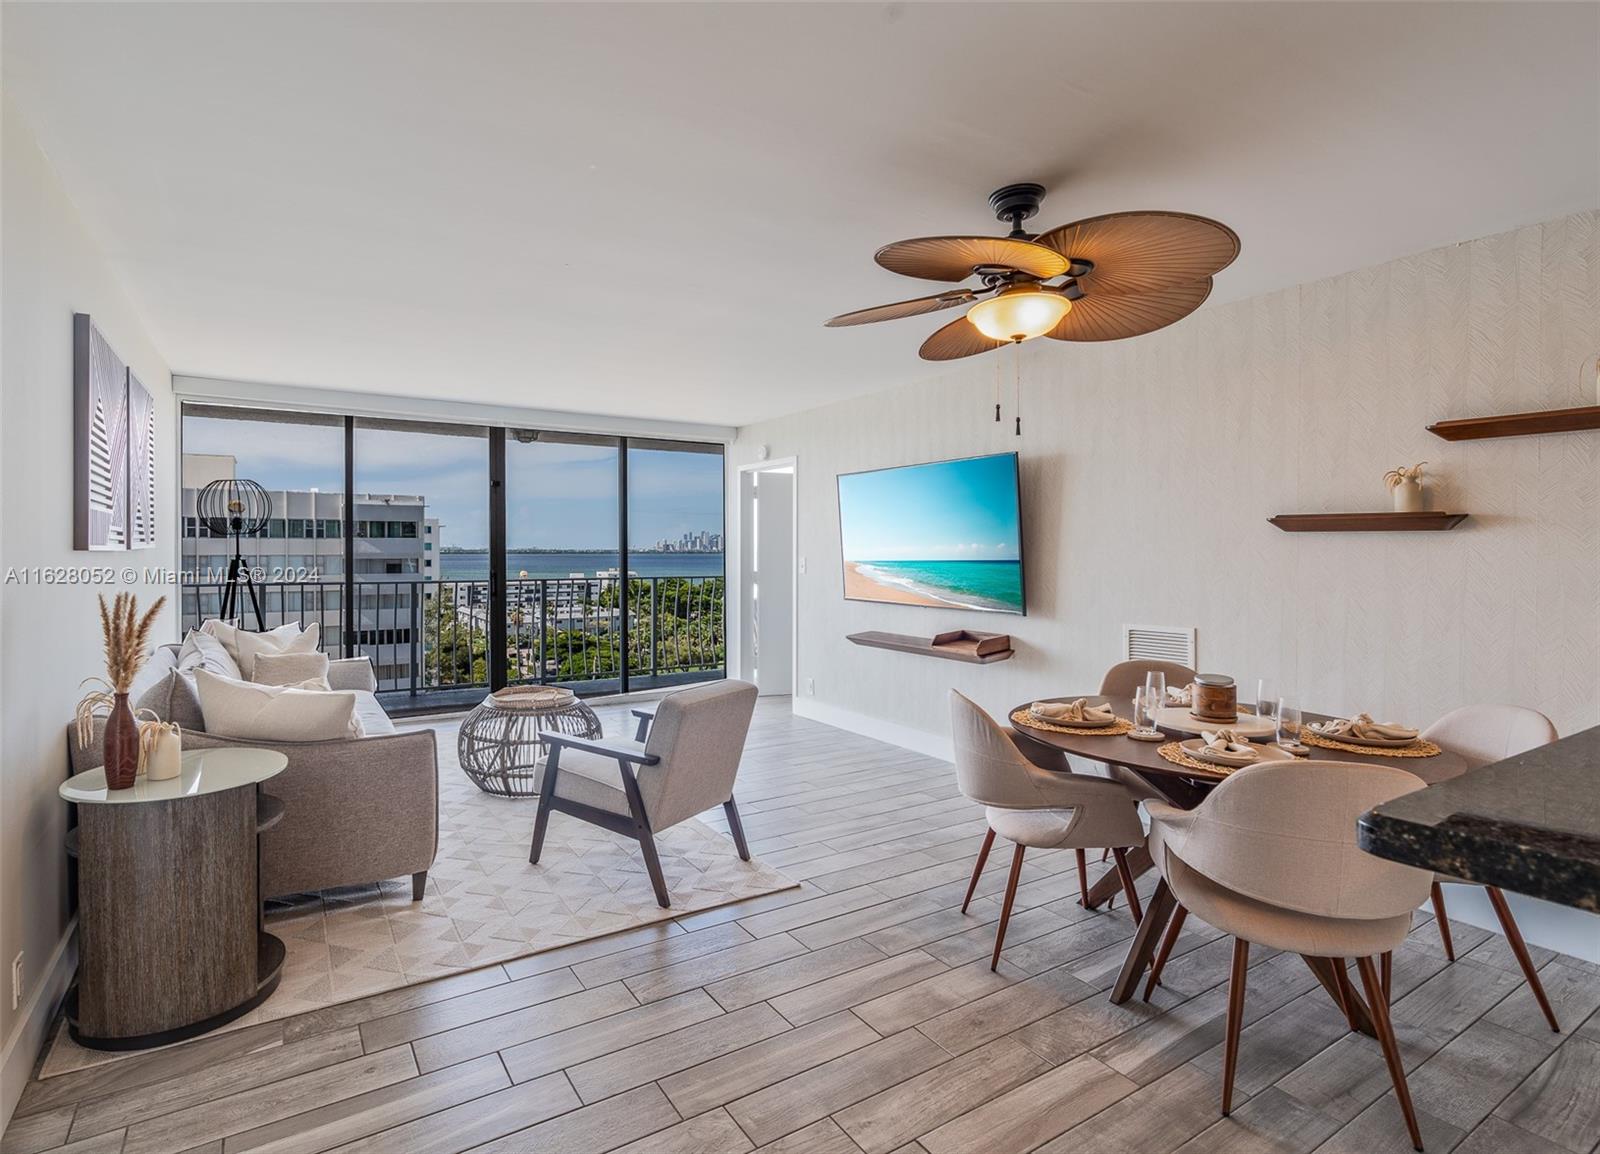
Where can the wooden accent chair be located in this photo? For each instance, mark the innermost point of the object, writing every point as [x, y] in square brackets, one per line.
[1030, 806]
[1270, 857]
[1483, 734]
[687, 765]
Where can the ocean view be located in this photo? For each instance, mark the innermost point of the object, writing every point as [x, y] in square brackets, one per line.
[992, 585]
[475, 566]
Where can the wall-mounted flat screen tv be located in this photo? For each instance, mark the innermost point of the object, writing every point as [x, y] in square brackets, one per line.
[946, 534]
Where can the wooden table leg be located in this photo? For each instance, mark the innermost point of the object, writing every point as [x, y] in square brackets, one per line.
[1145, 940]
[1110, 883]
[1343, 994]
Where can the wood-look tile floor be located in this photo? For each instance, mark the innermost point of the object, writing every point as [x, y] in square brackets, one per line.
[859, 1014]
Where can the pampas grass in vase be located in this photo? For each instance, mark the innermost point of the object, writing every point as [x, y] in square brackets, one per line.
[126, 636]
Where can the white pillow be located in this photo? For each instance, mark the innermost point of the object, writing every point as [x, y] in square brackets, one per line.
[204, 651]
[284, 639]
[292, 669]
[274, 712]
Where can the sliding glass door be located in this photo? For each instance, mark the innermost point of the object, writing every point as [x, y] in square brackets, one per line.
[461, 558]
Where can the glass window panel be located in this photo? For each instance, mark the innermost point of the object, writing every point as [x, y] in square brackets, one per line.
[675, 553]
[562, 559]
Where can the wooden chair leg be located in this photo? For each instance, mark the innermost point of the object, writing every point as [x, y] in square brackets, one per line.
[1386, 976]
[1127, 884]
[1083, 880]
[1520, 948]
[1005, 910]
[736, 828]
[1173, 928]
[1230, 1052]
[1444, 922]
[983, 857]
[1345, 993]
[542, 821]
[419, 885]
[652, 865]
[1379, 1007]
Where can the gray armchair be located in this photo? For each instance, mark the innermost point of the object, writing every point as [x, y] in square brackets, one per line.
[687, 764]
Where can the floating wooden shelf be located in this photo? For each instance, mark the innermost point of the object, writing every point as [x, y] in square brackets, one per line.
[962, 645]
[1366, 522]
[1519, 424]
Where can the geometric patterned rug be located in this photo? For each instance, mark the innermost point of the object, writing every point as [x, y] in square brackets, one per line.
[484, 903]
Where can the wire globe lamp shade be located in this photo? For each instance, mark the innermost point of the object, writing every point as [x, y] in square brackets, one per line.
[234, 507]
[1019, 313]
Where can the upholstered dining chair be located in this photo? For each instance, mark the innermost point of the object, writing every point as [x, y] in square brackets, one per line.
[686, 765]
[1270, 857]
[1483, 734]
[1030, 806]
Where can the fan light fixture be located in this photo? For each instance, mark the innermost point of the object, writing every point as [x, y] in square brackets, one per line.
[1019, 313]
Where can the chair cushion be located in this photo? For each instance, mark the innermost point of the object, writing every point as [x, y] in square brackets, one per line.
[590, 779]
[1281, 929]
[1036, 828]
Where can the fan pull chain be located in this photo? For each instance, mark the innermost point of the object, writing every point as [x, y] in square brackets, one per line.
[1017, 391]
[997, 390]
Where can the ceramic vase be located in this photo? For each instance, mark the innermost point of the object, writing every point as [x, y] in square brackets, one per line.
[121, 747]
[1408, 497]
[165, 759]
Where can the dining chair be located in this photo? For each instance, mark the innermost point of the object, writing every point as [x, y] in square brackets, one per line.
[1270, 857]
[1034, 807]
[1482, 734]
[687, 765]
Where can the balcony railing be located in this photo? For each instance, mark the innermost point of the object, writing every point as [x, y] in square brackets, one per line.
[429, 636]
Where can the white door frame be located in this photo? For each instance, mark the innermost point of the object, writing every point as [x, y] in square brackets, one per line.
[736, 602]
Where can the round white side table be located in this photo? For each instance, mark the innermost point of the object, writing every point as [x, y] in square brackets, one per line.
[170, 938]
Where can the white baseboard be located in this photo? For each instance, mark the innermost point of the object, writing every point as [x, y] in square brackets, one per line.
[916, 740]
[1559, 928]
[28, 1038]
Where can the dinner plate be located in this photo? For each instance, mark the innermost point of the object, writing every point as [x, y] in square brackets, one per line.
[1248, 725]
[1086, 724]
[1374, 742]
[1195, 747]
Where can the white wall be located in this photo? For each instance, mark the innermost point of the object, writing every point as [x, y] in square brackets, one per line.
[49, 635]
[1150, 467]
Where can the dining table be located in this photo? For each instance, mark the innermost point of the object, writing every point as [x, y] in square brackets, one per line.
[1187, 787]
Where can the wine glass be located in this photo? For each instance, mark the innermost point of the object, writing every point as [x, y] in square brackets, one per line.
[1155, 691]
[1288, 723]
[1266, 701]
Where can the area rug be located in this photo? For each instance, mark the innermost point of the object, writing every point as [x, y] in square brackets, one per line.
[484, 904]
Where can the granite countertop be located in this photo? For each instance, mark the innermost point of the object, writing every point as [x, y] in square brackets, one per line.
[1530, 823]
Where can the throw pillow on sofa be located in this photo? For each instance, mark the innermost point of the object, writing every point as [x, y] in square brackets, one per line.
[301, 670]
[174, 699]
[203, 651]
[245, 646]
[275, 712]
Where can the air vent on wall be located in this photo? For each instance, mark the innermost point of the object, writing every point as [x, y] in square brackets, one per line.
[1158, 643]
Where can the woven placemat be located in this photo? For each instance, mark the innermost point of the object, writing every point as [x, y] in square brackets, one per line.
[1175, 753]
[1419, 748]
[1118, 727]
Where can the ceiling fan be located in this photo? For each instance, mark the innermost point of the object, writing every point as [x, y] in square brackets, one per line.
[1100, 279]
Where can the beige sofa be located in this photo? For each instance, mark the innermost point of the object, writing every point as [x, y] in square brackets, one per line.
[357, 810]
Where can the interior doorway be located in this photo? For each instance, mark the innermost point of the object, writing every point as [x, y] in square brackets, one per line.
[767, 548]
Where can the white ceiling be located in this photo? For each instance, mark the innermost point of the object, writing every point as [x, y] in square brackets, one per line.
[651, 210]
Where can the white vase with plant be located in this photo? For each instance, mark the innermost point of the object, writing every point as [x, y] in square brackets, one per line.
[1405, 484]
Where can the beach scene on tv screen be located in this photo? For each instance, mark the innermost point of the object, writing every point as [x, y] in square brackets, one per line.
[946, 535]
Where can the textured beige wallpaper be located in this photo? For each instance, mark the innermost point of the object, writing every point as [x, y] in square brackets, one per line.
[1150, 467]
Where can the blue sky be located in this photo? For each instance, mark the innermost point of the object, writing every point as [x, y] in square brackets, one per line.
[559, 495]
[948, 511]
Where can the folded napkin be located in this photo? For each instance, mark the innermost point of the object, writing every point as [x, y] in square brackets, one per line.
[1078, 710]
[1181, 694]
[1228, 742]
[1362, 725]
